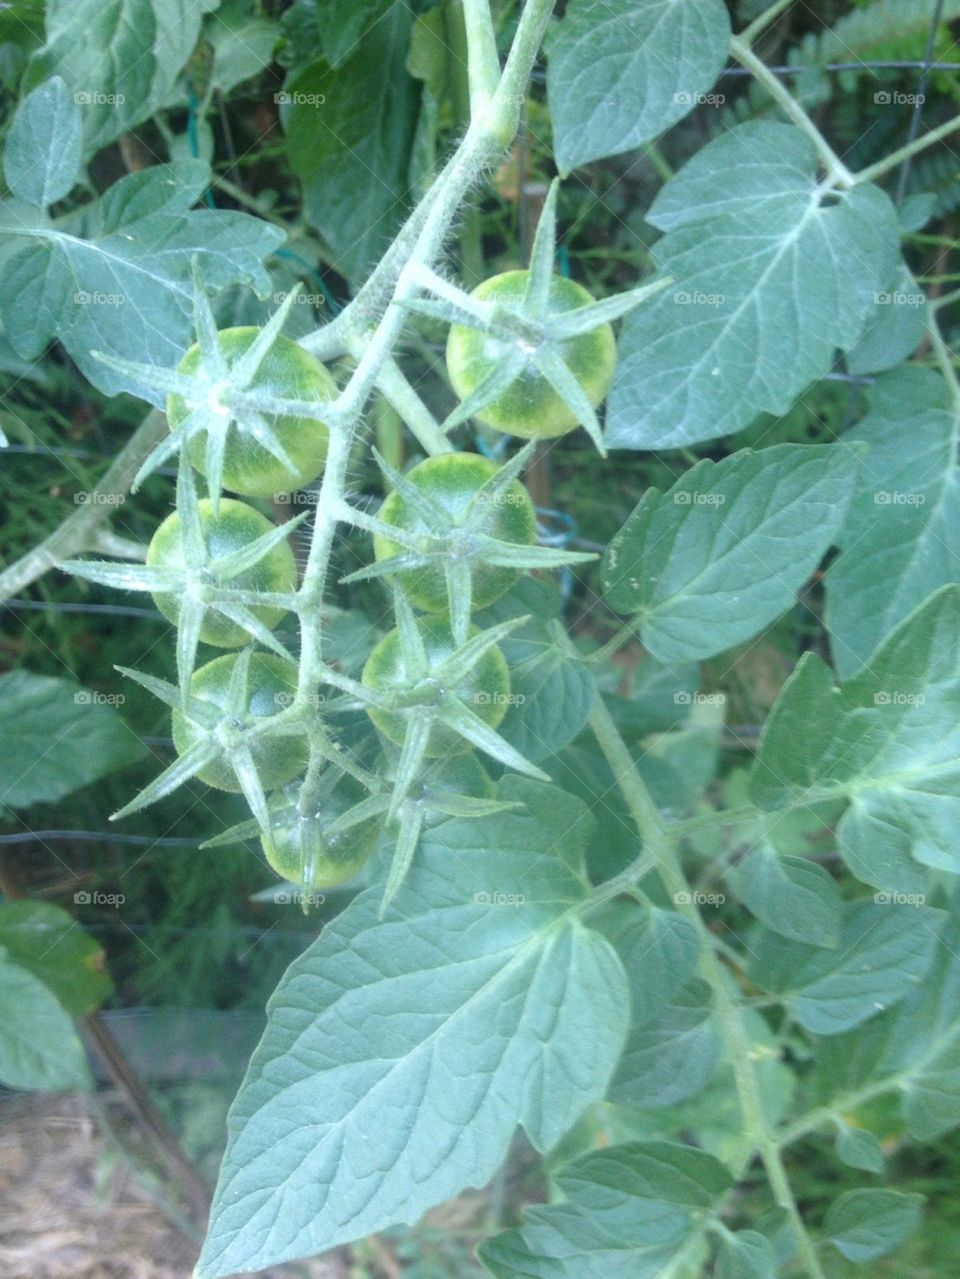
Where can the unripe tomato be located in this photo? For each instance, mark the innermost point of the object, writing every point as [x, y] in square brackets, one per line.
[485, 690]
[289, 371]
[236, 526]
[271, 685]
[451, 480]
[530, 407]
[343, 854]
[459, 775]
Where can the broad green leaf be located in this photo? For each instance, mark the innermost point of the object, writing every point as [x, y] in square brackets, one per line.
[552, 692]
[41, 157]
[858, 1148]
[39, 1046]
[341, 24]
[119, 280]
[896, 329]
[865, 1224]
[401, 1053]
[884, 951]
[349, 134]
[791, 895]
[660, 952]
[770, 278]
[724, 551]
[627, 1213]
[901, 537]
[621, 72]
[746, 1255]
[672, 1056]
[46, 941]
[242, 41]
[888, 740]
[119, 58]
[56, 737]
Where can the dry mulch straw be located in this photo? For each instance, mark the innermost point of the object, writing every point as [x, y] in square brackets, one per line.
[71, 1209]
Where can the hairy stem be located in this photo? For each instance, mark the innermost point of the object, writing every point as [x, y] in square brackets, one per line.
[891, 161]
[660, 845]
[837, 171]
[80, 531]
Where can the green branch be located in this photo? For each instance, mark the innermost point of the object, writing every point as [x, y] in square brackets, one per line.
[659, 844]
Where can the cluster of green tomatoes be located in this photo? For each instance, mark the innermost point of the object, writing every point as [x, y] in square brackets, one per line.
[453, 536]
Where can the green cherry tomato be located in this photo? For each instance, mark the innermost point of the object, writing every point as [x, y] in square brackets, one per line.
[340, 856]
[271, 685]
[485, 690]
[235, 527]
[286, 370]
[458, 775]
[530, 407]
[452, 480]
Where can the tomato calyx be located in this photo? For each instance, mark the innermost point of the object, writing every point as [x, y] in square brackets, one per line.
[223, 397]
[199, 580]
[455, 543]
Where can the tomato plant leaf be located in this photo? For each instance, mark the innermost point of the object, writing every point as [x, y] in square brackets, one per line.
[883, 952]
[41, 157]
[621, 72]
[56, 737]
[864, 1224]
[349, 136]
[793, 896]
[118, 279]
[672, 1056]
[896, 329]
[627, 1211]
[888, 740]
[770, 278]
[901, 538]
[401, 1052]
[39, 1046]
[120, 58]
[45, 940]
[746, 1255]
[724, 551]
